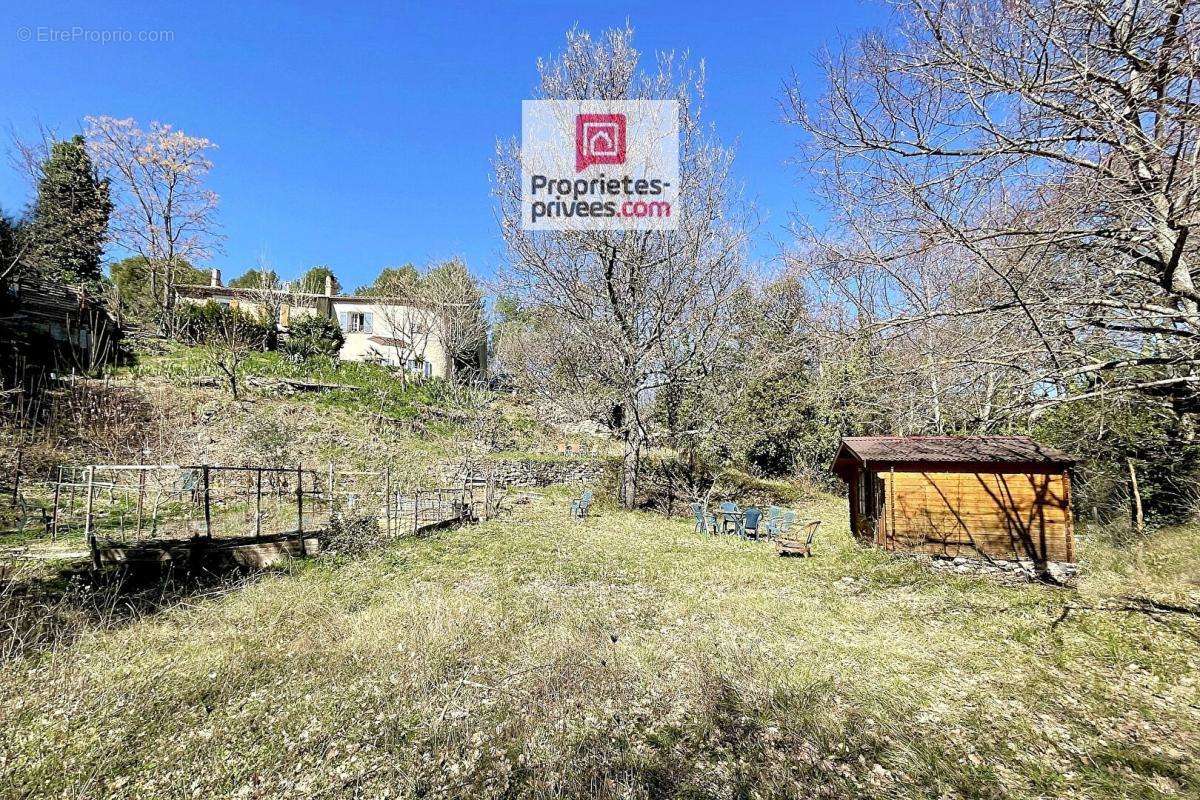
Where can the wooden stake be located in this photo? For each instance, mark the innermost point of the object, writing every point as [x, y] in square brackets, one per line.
[1138, 522]
[207, 504]
[88, 533]
[329, 501]
[141, 500]
[258, 505]
[16, 492]
[387, 499]
[54, 519]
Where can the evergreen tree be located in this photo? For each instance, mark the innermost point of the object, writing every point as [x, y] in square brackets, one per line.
[70, 219]
[135, 291]
[256, 279]
[313, 281]
[393, 282]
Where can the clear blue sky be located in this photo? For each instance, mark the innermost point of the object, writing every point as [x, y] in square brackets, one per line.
[360, 135]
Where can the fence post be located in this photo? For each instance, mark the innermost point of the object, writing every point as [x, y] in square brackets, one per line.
[88, 533]
[300, 506]
[387, 499]
[329, 501]
[490, 495]
[16, 498]
[207, 509]
[258, 505]
[416, 507]
[54, 518]
[141, 501]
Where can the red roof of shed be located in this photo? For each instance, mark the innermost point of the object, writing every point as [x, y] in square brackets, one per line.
[884, 450]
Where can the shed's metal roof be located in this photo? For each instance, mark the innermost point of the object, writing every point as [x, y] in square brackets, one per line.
[952, 449]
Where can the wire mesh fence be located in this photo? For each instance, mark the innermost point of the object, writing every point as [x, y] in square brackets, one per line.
[115, 505]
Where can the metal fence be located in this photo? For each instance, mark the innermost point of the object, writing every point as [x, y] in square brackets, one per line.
[122, 504]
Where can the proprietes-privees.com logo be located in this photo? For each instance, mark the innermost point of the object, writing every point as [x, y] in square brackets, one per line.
[598, 165]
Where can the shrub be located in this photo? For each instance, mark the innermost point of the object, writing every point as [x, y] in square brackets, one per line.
[1107, 434]
[313, 336]
[353, 535]
[669, 484]
[204, 324]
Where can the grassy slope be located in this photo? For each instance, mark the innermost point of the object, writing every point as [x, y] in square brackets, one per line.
[624, 656]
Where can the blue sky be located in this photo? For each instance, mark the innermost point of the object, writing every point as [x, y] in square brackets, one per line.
[360, 135]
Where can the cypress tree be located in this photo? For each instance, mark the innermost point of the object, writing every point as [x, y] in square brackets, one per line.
[70, 220]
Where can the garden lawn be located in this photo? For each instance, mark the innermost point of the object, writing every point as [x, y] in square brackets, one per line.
[626, 656]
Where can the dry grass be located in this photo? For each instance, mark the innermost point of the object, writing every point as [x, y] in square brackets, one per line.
[626, 657]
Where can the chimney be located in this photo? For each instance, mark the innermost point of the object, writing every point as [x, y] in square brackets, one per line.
[329, 286]
[215, 280]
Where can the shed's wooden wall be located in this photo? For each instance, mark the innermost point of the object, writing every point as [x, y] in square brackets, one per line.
[1000, 515]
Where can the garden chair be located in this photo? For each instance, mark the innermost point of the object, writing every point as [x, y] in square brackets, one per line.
[799, 547]
[731, 517]
[774, 518]
[581, 507]
[705, 522]
[750, 521]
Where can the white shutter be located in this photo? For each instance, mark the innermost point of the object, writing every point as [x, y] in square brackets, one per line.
[344, 321]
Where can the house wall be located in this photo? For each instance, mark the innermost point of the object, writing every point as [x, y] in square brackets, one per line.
[385, 321]
[998, 515]
[410, 324]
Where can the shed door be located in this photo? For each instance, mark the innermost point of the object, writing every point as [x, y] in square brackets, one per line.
[872, 504]
[879, 509]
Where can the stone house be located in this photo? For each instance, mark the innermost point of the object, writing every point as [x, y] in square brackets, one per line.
[393, 331]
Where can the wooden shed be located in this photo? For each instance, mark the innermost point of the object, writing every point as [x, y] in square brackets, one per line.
[995, 497]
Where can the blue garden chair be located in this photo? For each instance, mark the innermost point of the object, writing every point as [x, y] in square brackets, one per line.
[750, 520]
[705, 522]
[731, 517]
[774, 517]
[581, 507]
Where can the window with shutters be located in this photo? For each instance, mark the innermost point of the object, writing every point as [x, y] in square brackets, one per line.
[357, 322]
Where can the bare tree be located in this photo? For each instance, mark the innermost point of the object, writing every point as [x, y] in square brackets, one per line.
[230, 338]
[1017, 183]
[164, 213]
[407, 323]
[455, 304]
[27, 156]
[269, 295]
[617, 315]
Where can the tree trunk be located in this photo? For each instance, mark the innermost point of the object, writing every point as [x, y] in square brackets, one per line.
[627, 492]
[168, 282]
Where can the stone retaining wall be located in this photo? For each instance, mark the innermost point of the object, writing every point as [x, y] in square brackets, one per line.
[532, 472]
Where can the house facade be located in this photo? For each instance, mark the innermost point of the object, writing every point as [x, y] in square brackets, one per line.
[392, 331]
